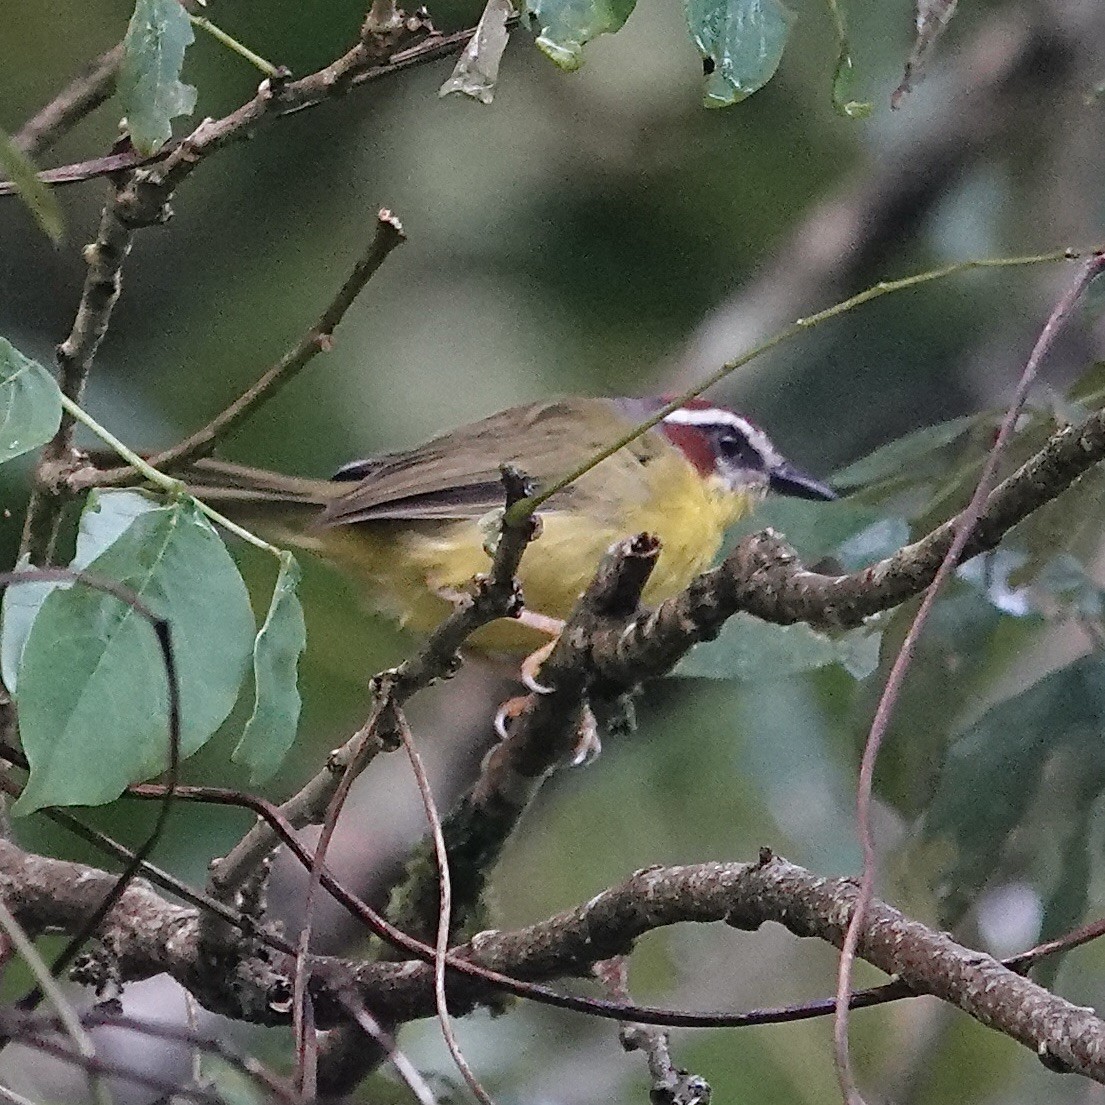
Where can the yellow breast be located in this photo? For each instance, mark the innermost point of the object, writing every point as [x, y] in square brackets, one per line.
[408, 566]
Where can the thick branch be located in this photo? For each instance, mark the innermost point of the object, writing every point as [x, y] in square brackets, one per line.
[146, 935]
[542, 736]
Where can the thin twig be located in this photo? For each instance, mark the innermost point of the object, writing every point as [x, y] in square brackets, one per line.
[670, 1084]
[406, 1070]
[964, 527]
[319, 339]
[102, 285]
[429, 49]
[441, 942]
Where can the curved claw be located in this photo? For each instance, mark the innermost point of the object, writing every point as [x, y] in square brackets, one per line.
[531, 665]
[588, 745]
[506, 713]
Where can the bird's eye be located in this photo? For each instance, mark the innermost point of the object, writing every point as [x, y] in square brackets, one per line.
[731, 445]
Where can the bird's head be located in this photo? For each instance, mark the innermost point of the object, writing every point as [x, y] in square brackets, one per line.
[727, 447]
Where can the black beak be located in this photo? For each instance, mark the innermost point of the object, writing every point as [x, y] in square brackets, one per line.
[785, 479]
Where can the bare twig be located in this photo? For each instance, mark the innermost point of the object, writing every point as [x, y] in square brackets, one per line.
[102, 285]
[82, 95]
[406, 1070]
[428, 49]
[670, 1085]
[964, 527]
[441, 942]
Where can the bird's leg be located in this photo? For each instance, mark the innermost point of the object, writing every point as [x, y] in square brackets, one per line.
[531, 665]
[588, 745]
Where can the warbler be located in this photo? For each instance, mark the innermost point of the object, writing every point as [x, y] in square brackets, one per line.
[408, 523]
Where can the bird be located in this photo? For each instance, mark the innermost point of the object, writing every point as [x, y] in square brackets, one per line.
[407, 524]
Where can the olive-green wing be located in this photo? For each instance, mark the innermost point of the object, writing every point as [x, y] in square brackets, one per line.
[456, 476]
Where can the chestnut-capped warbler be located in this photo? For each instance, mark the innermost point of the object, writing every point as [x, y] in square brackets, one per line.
[408, 523]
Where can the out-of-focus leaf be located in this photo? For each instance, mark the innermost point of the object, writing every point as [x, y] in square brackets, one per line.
[875, 542]
[272, 726]
[896, 459]
[750, 649]
[1089, 389]
[105, 517]
[30, 403]
[1069, 897]
[819, 530]
[38, 198]
[566, 26]
[477, 69]
[149, 83]
[741, 43]
[933, 16]
[92, 686]
[993, 771]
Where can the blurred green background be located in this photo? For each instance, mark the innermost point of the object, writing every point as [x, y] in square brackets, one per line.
[601, 233]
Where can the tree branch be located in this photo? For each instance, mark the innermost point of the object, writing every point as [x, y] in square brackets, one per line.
[147, 935]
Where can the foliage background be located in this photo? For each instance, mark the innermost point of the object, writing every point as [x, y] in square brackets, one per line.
[584, 234]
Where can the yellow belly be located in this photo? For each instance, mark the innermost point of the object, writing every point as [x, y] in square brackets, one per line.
[407, 565]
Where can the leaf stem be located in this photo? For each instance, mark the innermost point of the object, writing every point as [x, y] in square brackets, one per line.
[167, 483]
[230, 43]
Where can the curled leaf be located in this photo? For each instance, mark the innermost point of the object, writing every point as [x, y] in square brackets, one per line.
[477, 70]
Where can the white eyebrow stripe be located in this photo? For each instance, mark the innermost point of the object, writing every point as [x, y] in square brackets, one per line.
[718, 416]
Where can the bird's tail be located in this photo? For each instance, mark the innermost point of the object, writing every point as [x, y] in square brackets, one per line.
[220, 482]
[284, 509]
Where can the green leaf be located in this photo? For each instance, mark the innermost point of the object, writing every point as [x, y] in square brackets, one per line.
[1003, 757]
[271, 729]
[18, 609]
[30, 403]
[750, 649]
[106, 515]
[566, 26]
[741, 42]
[149, 78]
[38, 197]
[92, 688]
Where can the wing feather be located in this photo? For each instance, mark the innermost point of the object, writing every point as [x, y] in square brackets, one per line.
[456, 476]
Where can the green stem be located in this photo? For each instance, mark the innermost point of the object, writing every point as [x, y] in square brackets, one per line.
[167, 483]
[525, 507]
[266, 67]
